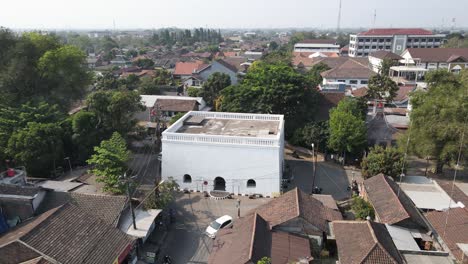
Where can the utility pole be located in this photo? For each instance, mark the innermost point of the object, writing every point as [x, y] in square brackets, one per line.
[314, 160]
[129, 194]
[69, 163]
[238, 202]
[339, 20]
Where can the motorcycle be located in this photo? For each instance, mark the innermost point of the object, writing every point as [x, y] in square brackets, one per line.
[167, 260]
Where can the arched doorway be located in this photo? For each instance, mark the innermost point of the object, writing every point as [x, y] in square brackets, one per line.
[219, 184]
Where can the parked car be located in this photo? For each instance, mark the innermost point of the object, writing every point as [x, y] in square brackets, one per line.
[220, 223]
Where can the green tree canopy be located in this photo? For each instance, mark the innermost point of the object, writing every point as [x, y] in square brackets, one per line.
[348, 131]
[313, 75]
[439, 117]
[214, 85]
[382, 87]
[144, 63]
[389, 161]
[362, 209]
[109, 163]
[314, 132]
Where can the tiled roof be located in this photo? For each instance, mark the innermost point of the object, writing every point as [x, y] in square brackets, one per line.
[16, 252]
[187, 68]
[251, 239]
[439, 54]
[456, 230]
[395, 31]
[317, 41]
[297, 204]
[360, 92]
[328, 100]
[349, 69]
[228, 65]
[198, 54]
[175, 105]
[68, 234]
[106, 207]
[8, 189]
[403, 92]
[391, 207]
[236, 62]
[383, 54]
[365, 242]
[458, 195]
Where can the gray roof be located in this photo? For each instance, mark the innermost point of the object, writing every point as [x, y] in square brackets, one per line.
[7, 189]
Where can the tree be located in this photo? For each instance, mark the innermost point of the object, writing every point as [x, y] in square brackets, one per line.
[194, 92]
[109, 163]
[382, 87]
[264, 260]
[85, 134]
[439, 118]
[385, 66]
[214, 85]
[348, 131]
[272, 89]
[313, 75]
[148, 86]
[390, 161]
[130, 83]
[108, 81]
[165, 195]
[277, 57]
[144, 63]
[362, 209]
[273, 45]
[315, 132]
[38, 146]
[176, 117]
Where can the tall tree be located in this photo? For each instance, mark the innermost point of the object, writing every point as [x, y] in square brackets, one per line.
[389, 161]
[109, 163]
[439, 117]
[214, 85]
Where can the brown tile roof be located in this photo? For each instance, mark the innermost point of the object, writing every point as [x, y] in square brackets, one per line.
[389, 207]
[456, 230]
[70, 235]
[236, 62]
[395, 31]
[458, 195]
[251, 239]
[106, 207]
[360, 92]
[16, 252]
[403, 92]
[228, 65]
[7, 189]
[204, 55]
[328, 100]
[365, 242]
[349, 69]
[383, 54]
[176, 105]
[439, 54]
[297, 204]
[187, 68]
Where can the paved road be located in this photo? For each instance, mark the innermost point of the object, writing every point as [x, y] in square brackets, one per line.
[186, 241]
[332, 178]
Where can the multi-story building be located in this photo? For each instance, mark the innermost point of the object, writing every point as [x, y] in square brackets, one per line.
[395, 40]
[225, 152]
[317, 45]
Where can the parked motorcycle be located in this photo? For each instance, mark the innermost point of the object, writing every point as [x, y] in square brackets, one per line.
[167, 260]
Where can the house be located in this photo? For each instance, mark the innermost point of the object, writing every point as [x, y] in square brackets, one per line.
[383, 128]
[221, 65]
[376, 58]
[317, 45]
[402, 97]
[451, 59]
[350, 72]
[168, 106]
[251, 239]
[452, 227]
[395, 40]
[365, 242]
[300, 213]
[256, 141]
[328, 100]
[392, 206]
[65, 234]
[344, 51]
[198, 55]
[186, 69]
[253, 55]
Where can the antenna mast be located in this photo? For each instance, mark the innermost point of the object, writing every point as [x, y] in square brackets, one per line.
[375, 18]
[339, 19]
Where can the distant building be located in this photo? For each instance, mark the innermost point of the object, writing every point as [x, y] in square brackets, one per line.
[451, 59]
[225, 152]
[186, 69]
[395, 40]
[376, 59]
[199, 77]
[317, 45]
[351, 72]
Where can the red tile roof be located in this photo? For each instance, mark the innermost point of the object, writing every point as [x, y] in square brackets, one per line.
[439, 54]
[349, 69]
[383, 54]
[359, 92]
[395, 31]
[317, 41]
[365, 242]
[187, 68]
[456, 230]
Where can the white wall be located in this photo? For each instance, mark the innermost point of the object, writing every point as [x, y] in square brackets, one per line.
[347, 82]
[235, 163]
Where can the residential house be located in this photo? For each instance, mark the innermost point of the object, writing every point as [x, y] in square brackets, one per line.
[251, 239]
[300, 213]
[198, 55]
[392, 206]
[452, 227]
[317, 45]
[351, 72]
[395, 40]
[253, 55]
[376, 58]
[451, 59]
[254, 140]
[186, 69]
[365, 242]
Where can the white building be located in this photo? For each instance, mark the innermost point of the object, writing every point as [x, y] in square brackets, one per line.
[317, 45]
[395, 40]
[232, 152]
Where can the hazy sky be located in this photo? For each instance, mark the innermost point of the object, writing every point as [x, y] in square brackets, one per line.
[229, 14]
